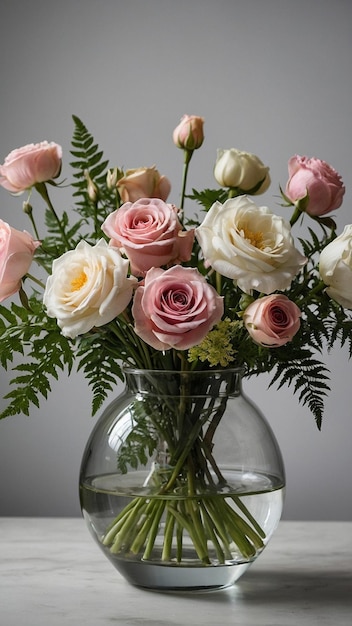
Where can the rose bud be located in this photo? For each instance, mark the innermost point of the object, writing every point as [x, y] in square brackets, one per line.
[143, 182]
[316, 182]
[189, 134]
[241, 170]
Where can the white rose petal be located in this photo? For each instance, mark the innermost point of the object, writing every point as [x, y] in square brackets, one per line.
[335, 267]
[249, 244]
[88, 287]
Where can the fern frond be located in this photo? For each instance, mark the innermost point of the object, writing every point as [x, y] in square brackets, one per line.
[207, 197]
[31, 334]
[309, 377]
[100, 367]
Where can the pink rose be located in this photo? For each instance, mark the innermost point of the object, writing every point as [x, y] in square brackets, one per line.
[272, 320]
[34, 163]
[149, 233]
[319, 180]
[143, 182]
[189, 133]
[16, 254]
[175, 308]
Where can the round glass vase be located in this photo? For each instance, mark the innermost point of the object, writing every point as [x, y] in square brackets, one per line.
[182, 480]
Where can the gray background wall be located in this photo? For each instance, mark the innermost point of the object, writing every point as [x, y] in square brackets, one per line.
[271, 77]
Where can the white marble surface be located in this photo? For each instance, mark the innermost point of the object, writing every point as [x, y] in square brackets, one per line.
[52, 573]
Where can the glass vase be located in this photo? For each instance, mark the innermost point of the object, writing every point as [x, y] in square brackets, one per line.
[182, 480]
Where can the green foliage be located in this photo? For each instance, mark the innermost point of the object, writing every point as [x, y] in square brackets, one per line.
[309, 378]
[38, 340]
[100, 367]
[35, 340]
[94, 200]
[140, 443]
[207, 197]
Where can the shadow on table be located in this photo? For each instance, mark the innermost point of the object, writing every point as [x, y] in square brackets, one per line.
[312, 587]
[277, 588]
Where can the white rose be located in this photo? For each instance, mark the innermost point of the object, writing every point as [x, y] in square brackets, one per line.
[88, 287]
[249, 244]
[242, 170]
[335, 267]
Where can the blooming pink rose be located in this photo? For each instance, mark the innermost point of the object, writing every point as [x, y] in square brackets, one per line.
[143, 182]
[16, 254]
[34, 163]
[319, 180]
[175, 308]
[149, 233]
[272, 320]
[189, 133]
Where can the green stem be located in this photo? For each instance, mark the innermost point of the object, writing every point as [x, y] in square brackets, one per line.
[29, 212]
[187, 525]
[209, 525]
[168, 536]
[249, 516]
[179, 542]
[160, 506]
[313, 292]
[43, 192]
[297, 213]
[187, 157]
[36, 280]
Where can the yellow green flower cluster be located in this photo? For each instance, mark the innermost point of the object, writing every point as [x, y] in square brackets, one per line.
[216, 347]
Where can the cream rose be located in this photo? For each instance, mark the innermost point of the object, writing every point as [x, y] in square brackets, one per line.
[88, 287]
[143, 182]
[16, 253]
[335, 267]
[241, 170]
[272, 321]
[29, 165]
[249, 244]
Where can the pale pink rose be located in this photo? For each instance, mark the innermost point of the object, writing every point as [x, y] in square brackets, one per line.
[34, 163]
[175, 308]
[272, 320]
[16, 253]
[149, 233]
[143, 182]
[189, 134]
[319, 180]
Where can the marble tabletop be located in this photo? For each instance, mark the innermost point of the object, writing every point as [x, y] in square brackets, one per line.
[52, 573]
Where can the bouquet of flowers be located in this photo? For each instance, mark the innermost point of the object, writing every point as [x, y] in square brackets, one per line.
[128, 279]
[134, 281]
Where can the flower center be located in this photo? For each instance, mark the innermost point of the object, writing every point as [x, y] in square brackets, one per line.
[78, 282]
[254, 238]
